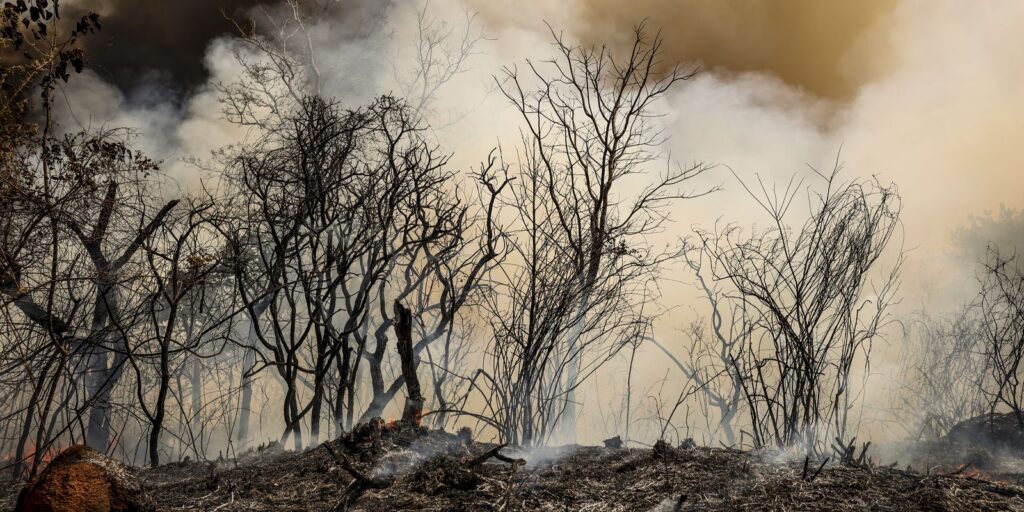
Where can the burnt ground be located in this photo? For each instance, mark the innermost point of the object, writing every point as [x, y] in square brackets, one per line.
[413, 469]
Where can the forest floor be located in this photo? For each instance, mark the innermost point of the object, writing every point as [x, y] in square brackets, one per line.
[414, 469]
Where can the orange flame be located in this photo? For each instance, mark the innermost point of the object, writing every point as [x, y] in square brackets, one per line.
[968, 471]
[28, 457]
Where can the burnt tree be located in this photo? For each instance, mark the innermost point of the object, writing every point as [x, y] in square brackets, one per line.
[414, 400]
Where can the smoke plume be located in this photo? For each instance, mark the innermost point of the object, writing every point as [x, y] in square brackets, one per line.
[925, 94]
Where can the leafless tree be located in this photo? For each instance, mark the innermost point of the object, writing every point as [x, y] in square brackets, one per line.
[40, 50]
[1001, 308]
[99, 213]
[586, 122]
[397, 231]
[181, 258]
[441, 279]
[709, 349]
[534, 312]
[301, 182]
[442, 51]
[815, 311]
[946, 371]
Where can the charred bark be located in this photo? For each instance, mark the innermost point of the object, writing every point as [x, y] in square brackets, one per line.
[403, 332]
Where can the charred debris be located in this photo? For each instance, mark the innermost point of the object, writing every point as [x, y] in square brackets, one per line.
[399, 465]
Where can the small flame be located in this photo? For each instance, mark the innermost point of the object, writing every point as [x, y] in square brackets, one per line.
[28, 457]
[968, 471]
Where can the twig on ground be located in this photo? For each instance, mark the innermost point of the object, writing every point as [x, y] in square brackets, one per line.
[494, 452]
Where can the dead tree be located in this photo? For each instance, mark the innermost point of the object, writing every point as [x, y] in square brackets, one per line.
[98, 218]
[182, 257]
[534, 315]
[40, 50]
[392, 224]
[411, 212]
[814, 316]
[338, 203]
[585, 117]
[1001, 307]
[707, 354]
[102, 374]
[440, 276]
[305, 189]
[414, 400]
[945, 372]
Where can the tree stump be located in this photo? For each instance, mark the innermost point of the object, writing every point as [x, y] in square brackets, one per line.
[83, 480]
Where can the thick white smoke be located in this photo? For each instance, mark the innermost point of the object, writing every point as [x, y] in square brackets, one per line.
[936, 110]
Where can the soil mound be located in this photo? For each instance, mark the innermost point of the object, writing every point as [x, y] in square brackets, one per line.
[994, 429]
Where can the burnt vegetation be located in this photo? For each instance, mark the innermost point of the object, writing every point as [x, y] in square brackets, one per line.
[245, 338]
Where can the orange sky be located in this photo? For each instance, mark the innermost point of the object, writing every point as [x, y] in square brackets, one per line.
[808, 43]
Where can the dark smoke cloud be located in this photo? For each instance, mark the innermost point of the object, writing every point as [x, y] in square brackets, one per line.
[807, 43]
[157, 39]
[163, 42]
[815, 45]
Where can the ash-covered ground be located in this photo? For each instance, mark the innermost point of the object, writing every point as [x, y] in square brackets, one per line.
[391, 468]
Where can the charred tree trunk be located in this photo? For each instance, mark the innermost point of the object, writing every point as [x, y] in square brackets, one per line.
[375, 361]
[343, 386]
[316, 406]
[100, 381]
[245, 412]
[403, 332]
[160, 409]
[248, 364]
[30, 413]
[197, 396]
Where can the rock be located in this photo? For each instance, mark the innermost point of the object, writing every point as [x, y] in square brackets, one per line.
[466, 435]
[614, 442]
[994, 430]
[662, 450]
[83, 480]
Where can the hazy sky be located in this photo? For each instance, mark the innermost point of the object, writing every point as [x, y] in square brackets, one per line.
[924, 93]
[807, 43]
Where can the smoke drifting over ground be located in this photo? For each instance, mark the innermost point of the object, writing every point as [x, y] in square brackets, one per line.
[926, 94]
